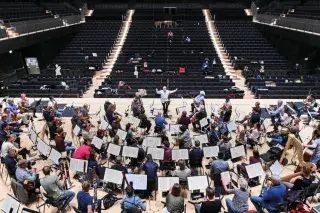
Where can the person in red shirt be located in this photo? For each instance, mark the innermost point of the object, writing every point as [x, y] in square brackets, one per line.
[83, 152]
[61, 144]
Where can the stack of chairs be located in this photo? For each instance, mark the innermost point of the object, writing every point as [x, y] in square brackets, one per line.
[152, 45]
[21, 11]
[309, 10]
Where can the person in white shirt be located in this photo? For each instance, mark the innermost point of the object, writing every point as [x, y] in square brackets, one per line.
[253, 138]
[58, 70]
[164, 96]
[276, 113]
[285, 119]
[198, 101]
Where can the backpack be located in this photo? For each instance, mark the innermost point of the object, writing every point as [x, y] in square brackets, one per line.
[109, 200]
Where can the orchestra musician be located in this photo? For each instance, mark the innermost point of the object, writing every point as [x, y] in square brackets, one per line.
[226, 110]
[184, 138]
[9, 144]
[197, 117]
[11, 161]
[24, 105]
[30, 179]
[276, 113]
[184, 119]
[198, 101]
[53, 105]
[132, 202]
[85, 200]
[164, 93]
[61, 144]
[316, 146]
[54, 188]
[137, 106]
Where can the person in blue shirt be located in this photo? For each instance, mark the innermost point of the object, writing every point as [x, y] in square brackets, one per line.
[93, 163]
[276, 113]
[272, 196]
[150, 168]
[196, 155]
[131, 203]
[85, 200]
[198, 101]
[160, 121]
[217, 167]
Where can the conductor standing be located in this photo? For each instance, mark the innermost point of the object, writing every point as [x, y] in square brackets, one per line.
[164, 93]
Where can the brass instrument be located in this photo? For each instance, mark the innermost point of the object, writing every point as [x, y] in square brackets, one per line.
[303, 167]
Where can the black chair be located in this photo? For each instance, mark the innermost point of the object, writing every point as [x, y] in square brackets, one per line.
[49, 201]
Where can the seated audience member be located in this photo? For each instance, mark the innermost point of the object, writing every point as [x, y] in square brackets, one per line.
[150, 168]
[118, 165]
[187, 40]
[273, 195]
[184, 119]
[25, 177]
[218, 166]
[54, 188]
[210, 203]
[183, 172]
[315, 145]
[184, 138]
[196, 155]
[174, 201]
[160, 121]
[85, 200]
[83, 152]
[93, 163]
[61, 144]
[131, 202]
[239, 202]
[253, 138]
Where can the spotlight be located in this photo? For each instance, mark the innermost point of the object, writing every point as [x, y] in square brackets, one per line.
[10, 51]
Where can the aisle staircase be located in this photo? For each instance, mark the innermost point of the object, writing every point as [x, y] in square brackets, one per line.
[10, 31]
[112, 56]
[224, 58]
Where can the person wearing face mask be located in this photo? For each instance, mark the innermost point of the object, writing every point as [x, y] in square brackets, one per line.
[164, 96]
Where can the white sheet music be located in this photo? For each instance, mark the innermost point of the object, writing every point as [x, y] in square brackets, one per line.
[157, 153]
[114, 149]
[226, 177]
[33, 136]
[43, 148]
[306, 134]
[237, 151]
[97, 142]
[174, 128]
[198, 182]
[78, 165]
[254, 170]
[276, 168]
[204, 122]
[134, 121]
[122, 134]
[54, 156]
[210, 151]
[180, 154]
[76, 130]
[129, 151]
[152, 141]
[104, 125]
[202, 138]
[10, 203]
[139, 181]
[113, 176]
[266, 123]
[156, 111]
[165, 183]
[231, 126]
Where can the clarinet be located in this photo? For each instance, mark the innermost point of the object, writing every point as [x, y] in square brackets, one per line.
[84, 171]
[95, 186]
